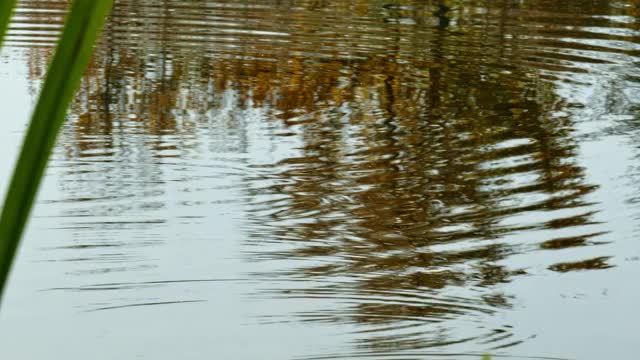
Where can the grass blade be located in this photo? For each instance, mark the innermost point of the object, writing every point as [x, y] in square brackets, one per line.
[6, 9]
[83, 23]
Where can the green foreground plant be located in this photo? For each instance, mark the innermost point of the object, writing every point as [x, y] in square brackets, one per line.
[82, 26]
[6, 10]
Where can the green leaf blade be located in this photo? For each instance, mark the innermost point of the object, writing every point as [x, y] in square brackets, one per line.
[6, 10]
[83, 24]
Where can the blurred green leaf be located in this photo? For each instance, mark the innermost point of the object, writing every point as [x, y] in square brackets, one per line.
[6, 9]
[84, 21]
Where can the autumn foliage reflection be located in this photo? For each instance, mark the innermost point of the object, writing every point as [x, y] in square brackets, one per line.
[428, 144]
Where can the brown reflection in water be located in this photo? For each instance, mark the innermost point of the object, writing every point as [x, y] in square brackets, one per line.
[595, 263]
[429, 154]
[403, 192]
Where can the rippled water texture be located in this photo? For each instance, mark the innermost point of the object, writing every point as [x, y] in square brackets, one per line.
[334, 179]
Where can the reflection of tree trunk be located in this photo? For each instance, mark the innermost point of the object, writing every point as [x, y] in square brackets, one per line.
[391, 69]
[163, 57]
[106, 93]
[105, 120]
[161, 97]
[435, 74]
[504, 9]
[443, 15]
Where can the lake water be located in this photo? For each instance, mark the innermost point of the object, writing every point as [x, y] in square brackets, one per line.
[328, 179]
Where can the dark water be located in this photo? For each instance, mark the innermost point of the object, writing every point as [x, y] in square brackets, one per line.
[334, 180]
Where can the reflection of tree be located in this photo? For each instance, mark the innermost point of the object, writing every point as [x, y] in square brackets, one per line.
[388, 177]
[423, 153]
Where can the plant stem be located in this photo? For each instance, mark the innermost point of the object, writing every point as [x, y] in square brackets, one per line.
[83, 24]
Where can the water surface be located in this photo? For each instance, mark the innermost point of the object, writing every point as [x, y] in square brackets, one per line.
[333, 180]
